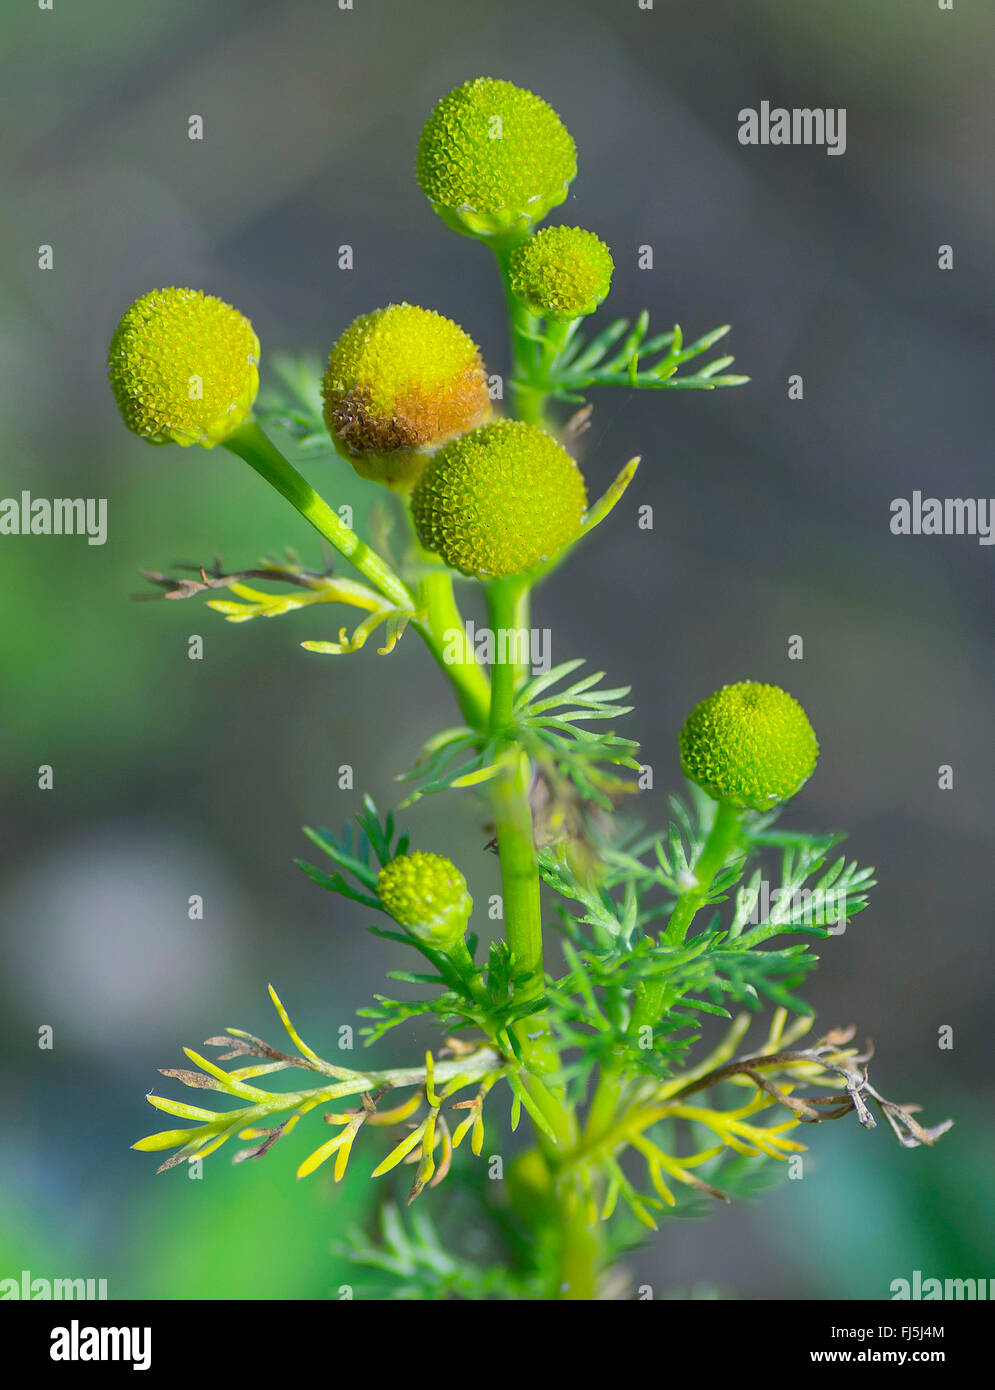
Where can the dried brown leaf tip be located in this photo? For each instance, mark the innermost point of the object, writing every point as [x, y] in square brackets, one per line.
[214, 576]
[829, 1060]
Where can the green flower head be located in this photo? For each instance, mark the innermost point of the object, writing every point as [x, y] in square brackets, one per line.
[493, 158]
[561, 272]
[184, 368]
[749, 745]
[400, 381]
[427, 895]
[499, 501]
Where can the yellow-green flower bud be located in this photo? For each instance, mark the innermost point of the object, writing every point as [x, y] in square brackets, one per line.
[494, 158]
[499, 501]
[749, 745]
[184, 368]
[561, 272]
[401, 381]
[427, 895]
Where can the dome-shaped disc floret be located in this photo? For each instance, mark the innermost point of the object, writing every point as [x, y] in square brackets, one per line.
[494, 158]
[399, 381]
[499, 501]
[749, 745]
[561, 272]
[184, 368]
[427, 895]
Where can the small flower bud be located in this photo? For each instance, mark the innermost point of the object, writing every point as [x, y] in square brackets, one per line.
[494, 158]
[749, 745]
[561, 272]
[184, 368]
[401, 381]
[427, 895]
[499, 501]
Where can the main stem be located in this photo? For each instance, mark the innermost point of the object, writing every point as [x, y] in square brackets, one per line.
[507, 601]
[579, 1246]
[580, 1252]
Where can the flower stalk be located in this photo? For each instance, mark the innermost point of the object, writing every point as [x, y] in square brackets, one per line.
[254, 448]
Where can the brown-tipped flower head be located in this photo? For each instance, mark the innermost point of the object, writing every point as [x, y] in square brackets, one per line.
[400, 381]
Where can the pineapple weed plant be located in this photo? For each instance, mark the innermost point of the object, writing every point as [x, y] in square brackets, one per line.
[595, 1056]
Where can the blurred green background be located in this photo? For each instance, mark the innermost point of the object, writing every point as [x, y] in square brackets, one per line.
[175, 777]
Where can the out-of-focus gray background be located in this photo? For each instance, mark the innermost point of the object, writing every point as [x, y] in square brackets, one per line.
[175, 777]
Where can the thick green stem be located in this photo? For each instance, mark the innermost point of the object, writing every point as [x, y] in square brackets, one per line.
[530, 404]
[508, 615]
[550, 1211]
[512, 807]
[580, 1257]
[519, 874]
[507, 603]
[445, 633]
[604, 1103]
